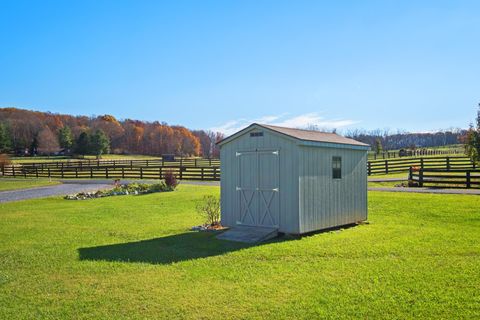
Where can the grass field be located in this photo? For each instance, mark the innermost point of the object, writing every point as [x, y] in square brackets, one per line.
[133, 257]
[13, 184]
[388, 184]
[66, 158]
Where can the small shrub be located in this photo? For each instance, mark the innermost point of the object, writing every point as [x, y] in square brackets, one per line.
[209, 208]
[170, 180]
[4, 160]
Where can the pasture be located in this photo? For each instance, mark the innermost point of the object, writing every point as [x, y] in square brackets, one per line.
[134, 257]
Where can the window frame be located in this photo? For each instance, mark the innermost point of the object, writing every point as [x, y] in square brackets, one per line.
[336, 167]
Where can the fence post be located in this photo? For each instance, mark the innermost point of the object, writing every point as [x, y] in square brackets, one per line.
[181, 171]
[123, 173]
[61, 170]
[160, 173]
[421, 163]
[468, 180]
[106, 172]
[410, 174]
[209, 162]
[141, 172]
[215, 173]
[147, 163]
[202, 174]
[196, 163]
[181, 161]
[36, 172]
[76, 173]
[91, 173]
[369, 168]
[49, 175]
[448, 163]
[420, 178]
[386, 166]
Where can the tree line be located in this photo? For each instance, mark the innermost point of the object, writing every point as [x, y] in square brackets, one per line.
[387, 140]
[25, 132]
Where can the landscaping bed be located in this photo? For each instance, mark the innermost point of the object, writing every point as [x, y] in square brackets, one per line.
[122, 190]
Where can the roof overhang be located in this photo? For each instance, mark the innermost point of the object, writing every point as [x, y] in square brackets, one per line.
[300, 142]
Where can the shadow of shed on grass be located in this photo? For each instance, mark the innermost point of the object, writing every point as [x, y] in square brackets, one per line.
[165, 250]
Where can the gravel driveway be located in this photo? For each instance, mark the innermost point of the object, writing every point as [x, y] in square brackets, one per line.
[76, 186]
[42, 192]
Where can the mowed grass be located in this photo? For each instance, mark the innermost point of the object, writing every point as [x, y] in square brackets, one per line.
[14, 184]
[133, 257]
[41, 159]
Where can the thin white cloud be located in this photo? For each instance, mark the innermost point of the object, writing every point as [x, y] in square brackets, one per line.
[284, 120]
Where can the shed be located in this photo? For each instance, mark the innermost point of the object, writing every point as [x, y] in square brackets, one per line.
[295, 181]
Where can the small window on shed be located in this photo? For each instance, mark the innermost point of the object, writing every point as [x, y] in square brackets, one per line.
[337, 167]
[256, 134]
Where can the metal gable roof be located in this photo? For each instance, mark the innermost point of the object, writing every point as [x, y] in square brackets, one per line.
[301, 134]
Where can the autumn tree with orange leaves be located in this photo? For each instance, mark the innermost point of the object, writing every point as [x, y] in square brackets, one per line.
[22, 127]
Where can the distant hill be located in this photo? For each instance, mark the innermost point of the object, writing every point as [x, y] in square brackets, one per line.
[25, 131]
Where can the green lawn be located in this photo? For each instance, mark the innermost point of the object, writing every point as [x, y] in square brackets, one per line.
[402, 175]
[13, 184]
[133, 257]
[388, 184]
[67, 158]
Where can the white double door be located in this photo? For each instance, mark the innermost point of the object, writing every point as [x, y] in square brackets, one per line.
[258, 188]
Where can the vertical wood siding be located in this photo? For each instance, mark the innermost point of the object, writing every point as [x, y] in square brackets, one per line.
[309, 198]
[326, 202]
[288, 178]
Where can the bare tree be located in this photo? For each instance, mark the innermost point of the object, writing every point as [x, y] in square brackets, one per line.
[47, 141]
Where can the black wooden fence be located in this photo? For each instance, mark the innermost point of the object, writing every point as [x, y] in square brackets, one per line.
[198, 169]
[403, 164]
[372, 155]
[445, 178]
[211, 173]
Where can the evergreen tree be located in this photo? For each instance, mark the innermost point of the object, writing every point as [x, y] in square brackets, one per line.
[34, 145]
[82, 144]
[378, 146]
[472, 143]
[100, 144]
[5, 138]
[65, 138]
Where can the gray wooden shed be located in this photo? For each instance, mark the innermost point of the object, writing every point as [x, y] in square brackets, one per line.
[292, 180]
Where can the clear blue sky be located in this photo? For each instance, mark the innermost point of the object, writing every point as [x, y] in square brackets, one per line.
[413, 65]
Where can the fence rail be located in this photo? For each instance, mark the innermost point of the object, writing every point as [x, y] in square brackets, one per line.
[202, 169]
[372, 155]
[441, 178]
[403, 165]
[115, 172]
